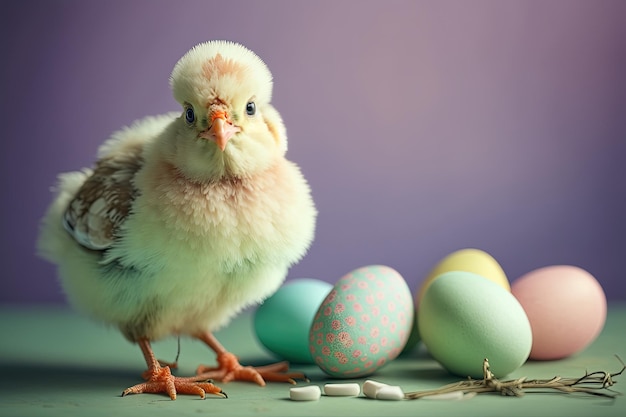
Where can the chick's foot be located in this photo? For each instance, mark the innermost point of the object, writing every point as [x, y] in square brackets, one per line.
[229, 369]
[161, 380]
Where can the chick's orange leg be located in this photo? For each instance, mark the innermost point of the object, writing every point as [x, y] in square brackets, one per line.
[229, 368]
[160, 379]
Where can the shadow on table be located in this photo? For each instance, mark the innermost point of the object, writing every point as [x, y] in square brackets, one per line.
[34, 377]
[73, 376]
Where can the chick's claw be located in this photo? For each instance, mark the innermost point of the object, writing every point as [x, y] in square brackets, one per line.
[229, 369]
[277, 372]
[162, 381]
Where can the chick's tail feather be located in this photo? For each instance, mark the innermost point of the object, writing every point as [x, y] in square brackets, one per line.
[52, 231]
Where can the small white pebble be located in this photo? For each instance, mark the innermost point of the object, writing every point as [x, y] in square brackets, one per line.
[342, 390]
[390, 392]
[451, 396]
[370, 388]
[308, 393]
[457, 395]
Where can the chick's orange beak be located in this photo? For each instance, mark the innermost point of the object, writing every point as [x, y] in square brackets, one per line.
[221, 129]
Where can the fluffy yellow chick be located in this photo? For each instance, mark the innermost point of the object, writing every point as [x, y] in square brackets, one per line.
[186, 218]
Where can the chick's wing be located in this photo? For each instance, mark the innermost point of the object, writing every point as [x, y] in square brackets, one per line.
[104, 200]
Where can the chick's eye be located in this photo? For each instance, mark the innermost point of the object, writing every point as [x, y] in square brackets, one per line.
[250, 108]
[190, 116]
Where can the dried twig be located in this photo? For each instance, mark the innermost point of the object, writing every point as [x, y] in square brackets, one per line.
[595, 383]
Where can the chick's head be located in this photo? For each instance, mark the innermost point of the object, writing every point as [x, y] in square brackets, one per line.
[228, 126]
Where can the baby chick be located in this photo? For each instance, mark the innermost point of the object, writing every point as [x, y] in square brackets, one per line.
[186, 218]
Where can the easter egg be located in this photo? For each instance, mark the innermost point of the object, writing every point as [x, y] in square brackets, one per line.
[464, 318]
[363, 323]
[282, 322]
[566, 307]
[470, 260]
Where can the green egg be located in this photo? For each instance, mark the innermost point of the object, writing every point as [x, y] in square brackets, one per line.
[282, 322]
[464, 318]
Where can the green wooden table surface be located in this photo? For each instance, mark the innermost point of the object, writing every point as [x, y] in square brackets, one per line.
[55, 362]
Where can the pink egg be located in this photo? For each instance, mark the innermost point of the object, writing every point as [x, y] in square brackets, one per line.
[566, 307]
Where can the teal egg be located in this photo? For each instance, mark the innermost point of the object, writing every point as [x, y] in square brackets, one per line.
[282, 322]
[363, 323]
[464, 318]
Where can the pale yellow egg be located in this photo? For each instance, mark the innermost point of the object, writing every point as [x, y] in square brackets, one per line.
[469, 260]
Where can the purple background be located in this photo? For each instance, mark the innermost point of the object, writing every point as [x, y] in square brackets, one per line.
[422, 127]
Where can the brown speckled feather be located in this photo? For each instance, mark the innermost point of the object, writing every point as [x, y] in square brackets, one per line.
[104, 200]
